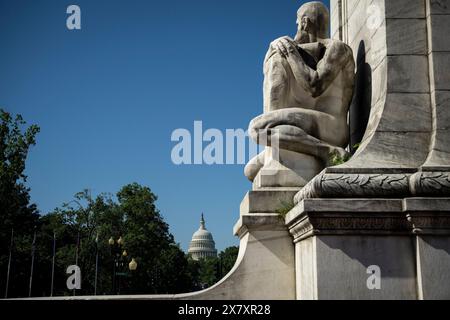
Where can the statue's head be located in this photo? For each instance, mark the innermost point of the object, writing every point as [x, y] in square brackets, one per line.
[313, 22]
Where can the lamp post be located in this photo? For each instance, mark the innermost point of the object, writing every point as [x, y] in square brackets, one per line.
[96, 264]
[9, 262]
[120, 257]
[33, 252]
[53, 264]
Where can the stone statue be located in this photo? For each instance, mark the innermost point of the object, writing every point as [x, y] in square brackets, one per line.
[308, 88]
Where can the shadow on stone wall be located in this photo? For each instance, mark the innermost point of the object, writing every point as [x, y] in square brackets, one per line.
[438, 243]
[362, 98]
[352, 255]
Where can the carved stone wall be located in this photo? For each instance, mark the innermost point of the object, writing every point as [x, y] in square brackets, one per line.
[389, 40]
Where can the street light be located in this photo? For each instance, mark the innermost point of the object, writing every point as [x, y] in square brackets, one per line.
[115, 253]
[132, 265]
[120, 260]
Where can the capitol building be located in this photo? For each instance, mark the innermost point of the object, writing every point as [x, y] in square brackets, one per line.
[202, 244]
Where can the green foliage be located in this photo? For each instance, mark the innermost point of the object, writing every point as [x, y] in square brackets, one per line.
[15, 208]
[207, 272]
[285, 207]
[15, 142]
[336, 159]
[227, 259]
[162, 265]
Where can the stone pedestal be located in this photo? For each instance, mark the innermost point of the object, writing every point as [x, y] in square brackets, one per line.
[286, 169]
[339, 241]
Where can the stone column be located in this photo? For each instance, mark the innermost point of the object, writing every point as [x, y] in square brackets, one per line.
[337, 242]
[430, 223]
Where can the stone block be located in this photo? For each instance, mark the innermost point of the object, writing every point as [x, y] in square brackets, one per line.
[433, 265]
[438, 7]
[406, 36]
[426, 204]
[442, 146]
[441, 101]
[287, 169]
[405, 9]
[266, 201]
[305, 269]
[345, 206]
[439, 26]
[406, 112]
[393, 150]
[409, 73]
[342, 264]
[440, 75]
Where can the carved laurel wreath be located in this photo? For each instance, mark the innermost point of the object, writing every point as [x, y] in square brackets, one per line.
[381, 185]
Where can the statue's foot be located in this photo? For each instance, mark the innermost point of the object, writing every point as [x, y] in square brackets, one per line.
[254, 166]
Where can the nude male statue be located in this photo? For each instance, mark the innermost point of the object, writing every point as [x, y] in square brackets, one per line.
[308, 88]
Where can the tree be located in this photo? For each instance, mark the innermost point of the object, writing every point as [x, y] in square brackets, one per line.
[77, 225]
[14, 146]
[207, 272]
[16, 211]
[162, 265]
[227, 259]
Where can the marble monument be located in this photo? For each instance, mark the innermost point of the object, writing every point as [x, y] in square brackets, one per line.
[378, 225]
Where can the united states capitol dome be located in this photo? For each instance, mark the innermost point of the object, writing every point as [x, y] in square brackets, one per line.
[202, 244]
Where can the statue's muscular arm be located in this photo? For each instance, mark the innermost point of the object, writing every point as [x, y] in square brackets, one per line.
[337, 57]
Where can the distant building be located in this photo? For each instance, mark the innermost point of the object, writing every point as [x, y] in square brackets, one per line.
[202, 244]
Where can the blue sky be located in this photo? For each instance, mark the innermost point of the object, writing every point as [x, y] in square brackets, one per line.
[108, 97]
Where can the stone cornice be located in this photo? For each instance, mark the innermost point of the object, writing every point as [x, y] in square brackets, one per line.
[364, 185]
[381, 217]
[430, 184]
[258, 221]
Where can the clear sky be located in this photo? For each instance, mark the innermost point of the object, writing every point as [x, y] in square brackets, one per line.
[108, 97]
